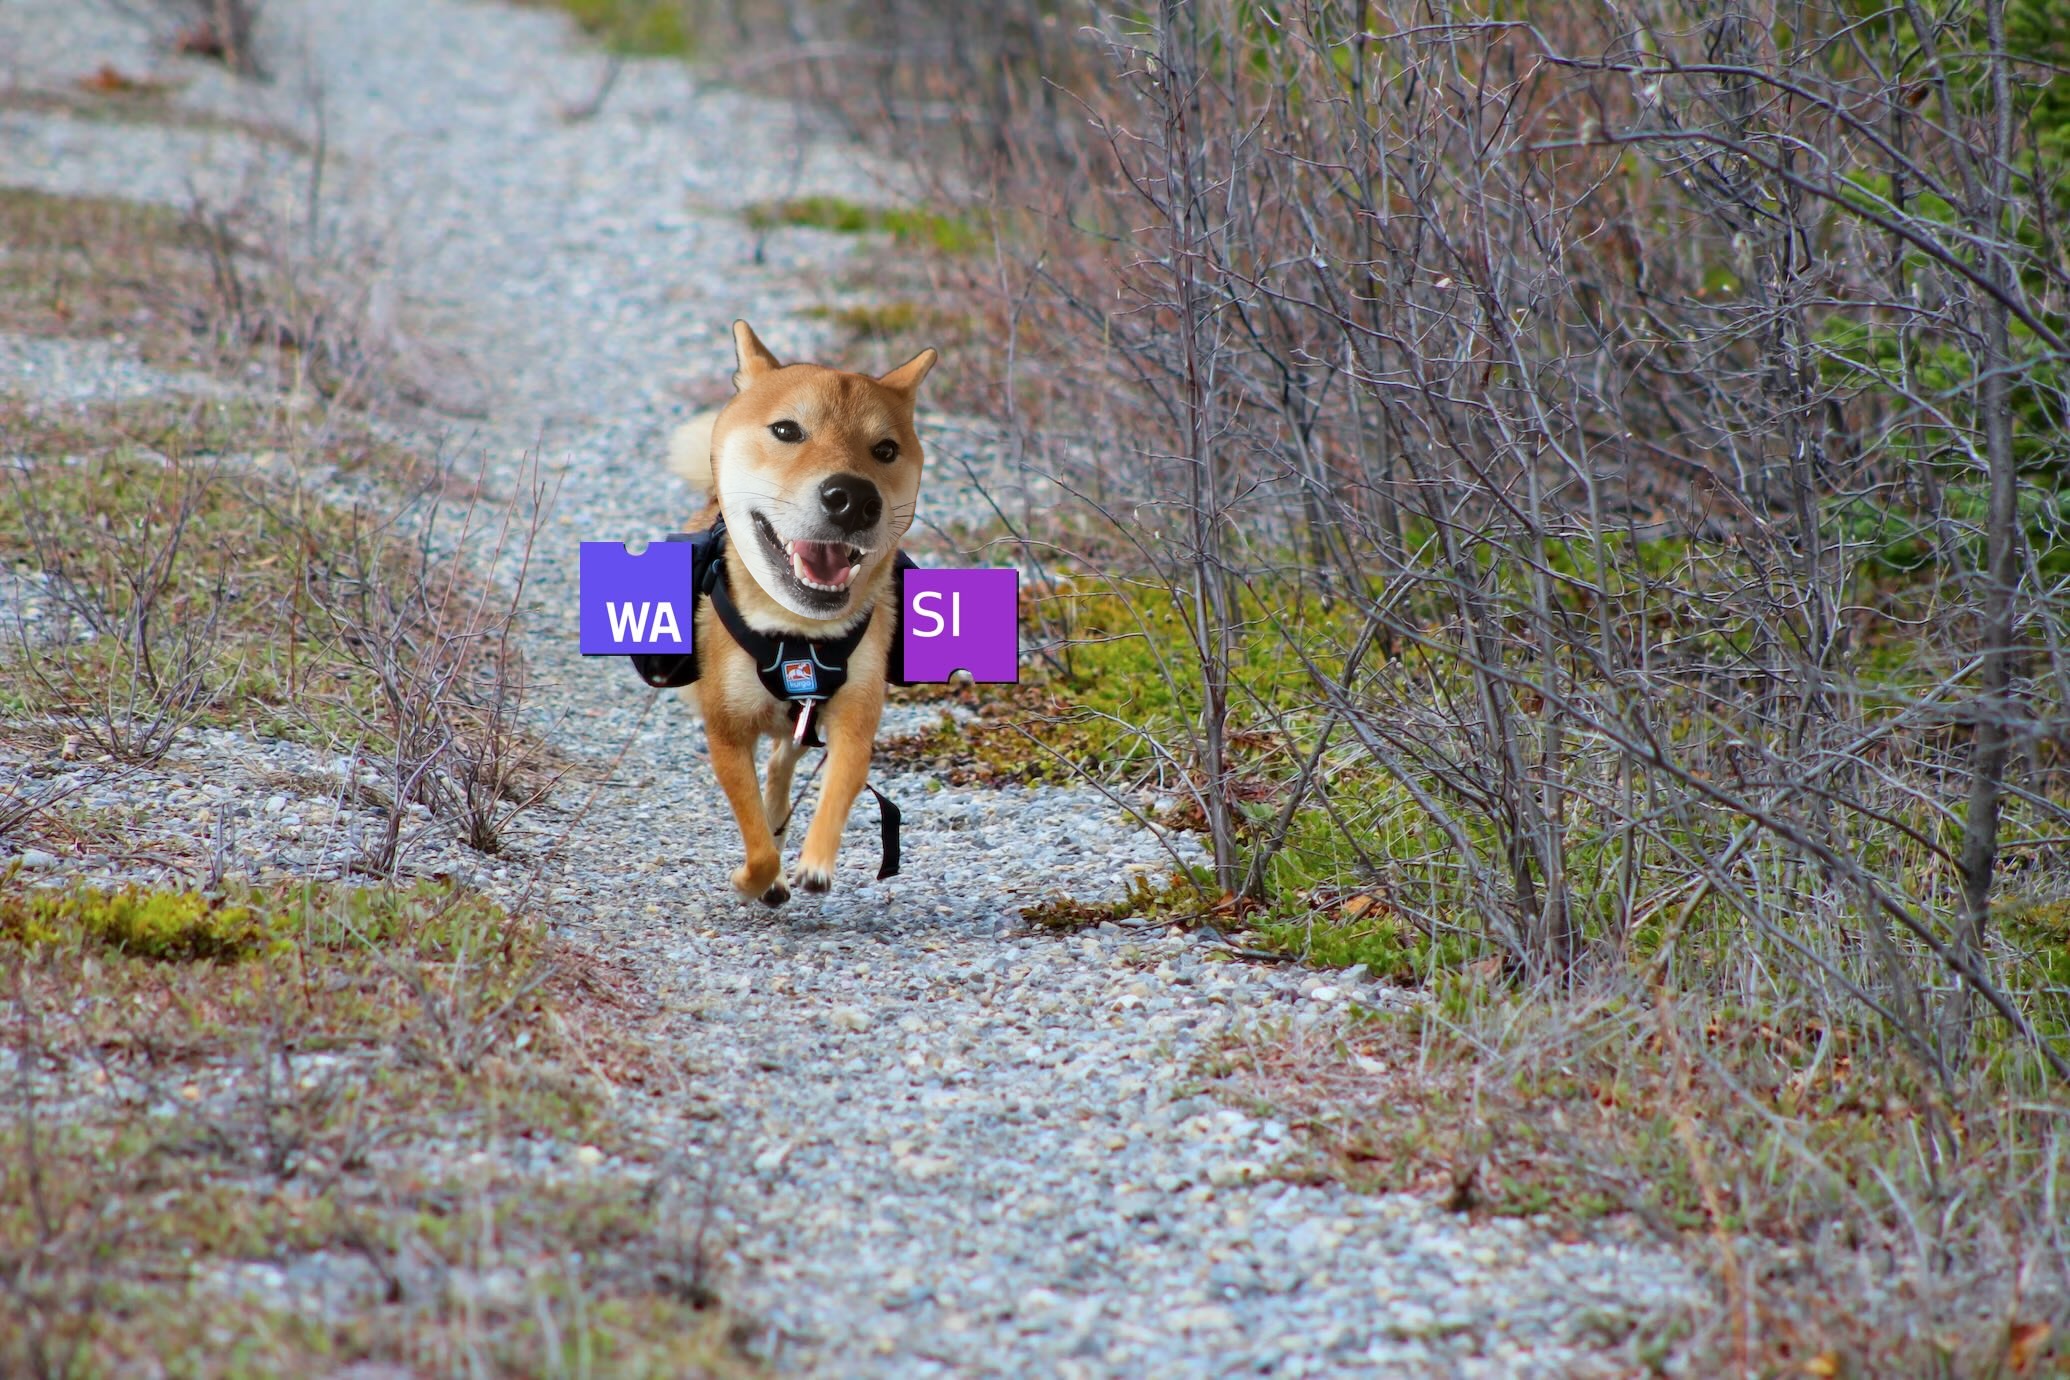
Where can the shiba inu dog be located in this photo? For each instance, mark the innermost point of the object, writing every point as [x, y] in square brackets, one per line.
[815, 474]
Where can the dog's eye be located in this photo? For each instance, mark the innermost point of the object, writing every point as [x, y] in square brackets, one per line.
[887, 451]
[788, 432]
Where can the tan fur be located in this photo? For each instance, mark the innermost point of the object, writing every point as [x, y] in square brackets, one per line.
[732, 456]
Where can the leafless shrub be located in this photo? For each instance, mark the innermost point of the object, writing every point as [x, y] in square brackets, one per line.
[1640, 427]
[138, 589]
[1604, 519]
[497, 767]
[426, 601]
[461, 1018]
[263, 303]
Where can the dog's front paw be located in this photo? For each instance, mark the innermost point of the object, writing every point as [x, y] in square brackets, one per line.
[770, 891]
[814, 876]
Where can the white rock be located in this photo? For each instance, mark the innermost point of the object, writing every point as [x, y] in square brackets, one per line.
[1232, 1172]
[925, 1168]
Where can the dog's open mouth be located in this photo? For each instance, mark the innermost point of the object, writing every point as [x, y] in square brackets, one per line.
[825, 567]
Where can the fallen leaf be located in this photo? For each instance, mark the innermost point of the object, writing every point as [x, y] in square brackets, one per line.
[1826, 1364]
[109, 81]
[2027, 1341]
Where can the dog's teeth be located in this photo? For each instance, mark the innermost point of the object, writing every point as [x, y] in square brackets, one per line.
[800, 568]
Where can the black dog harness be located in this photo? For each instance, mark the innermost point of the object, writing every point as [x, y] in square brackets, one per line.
[804, 673]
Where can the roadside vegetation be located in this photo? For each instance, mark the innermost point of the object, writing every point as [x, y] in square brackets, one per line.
[632, 28]
[209, 1089]
[1570, 506]
[255, 1120]
[203, 287]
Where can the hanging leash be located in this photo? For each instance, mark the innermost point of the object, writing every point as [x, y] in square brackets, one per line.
[888, 818]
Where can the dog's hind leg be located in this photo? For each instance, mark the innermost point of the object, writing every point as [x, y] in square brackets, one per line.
[733, 762]
[776, 786]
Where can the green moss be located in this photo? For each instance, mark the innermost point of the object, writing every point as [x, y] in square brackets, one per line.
[947, 234]
[1178, 898]
[877, 319]
[635, 28]
[1333, 938]
[162, 926]
[1127, 697]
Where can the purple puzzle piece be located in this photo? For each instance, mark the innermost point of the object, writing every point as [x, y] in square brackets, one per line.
[642, 603]
[962, 620]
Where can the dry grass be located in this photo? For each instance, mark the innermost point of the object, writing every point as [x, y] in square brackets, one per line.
[172, 532]
[207, 1090]
[201, 288]
[113, 96]
[190, 579]
[1808, 1175]
[214, 1096]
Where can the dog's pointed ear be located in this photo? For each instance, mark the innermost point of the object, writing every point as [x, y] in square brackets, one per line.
[906, 378]
[753, 356]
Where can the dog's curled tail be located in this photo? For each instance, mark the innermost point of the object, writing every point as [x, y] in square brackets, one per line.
[690, 452]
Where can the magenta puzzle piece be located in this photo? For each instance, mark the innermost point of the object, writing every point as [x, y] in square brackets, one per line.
[643, 603]
[961, 620]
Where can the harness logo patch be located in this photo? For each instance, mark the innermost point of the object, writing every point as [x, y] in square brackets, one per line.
[799, 678]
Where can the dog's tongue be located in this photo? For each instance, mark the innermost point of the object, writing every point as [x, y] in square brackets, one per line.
[823, 561]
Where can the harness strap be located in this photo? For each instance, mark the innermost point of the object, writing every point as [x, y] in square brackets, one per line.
[790, 668]
[674, 670]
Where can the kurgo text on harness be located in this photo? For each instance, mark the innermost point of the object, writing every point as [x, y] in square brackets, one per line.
[645, 606]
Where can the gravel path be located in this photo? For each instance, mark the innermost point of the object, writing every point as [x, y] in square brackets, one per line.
[948, 1145]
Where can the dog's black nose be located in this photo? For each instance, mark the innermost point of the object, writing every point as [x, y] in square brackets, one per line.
[851, 501]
